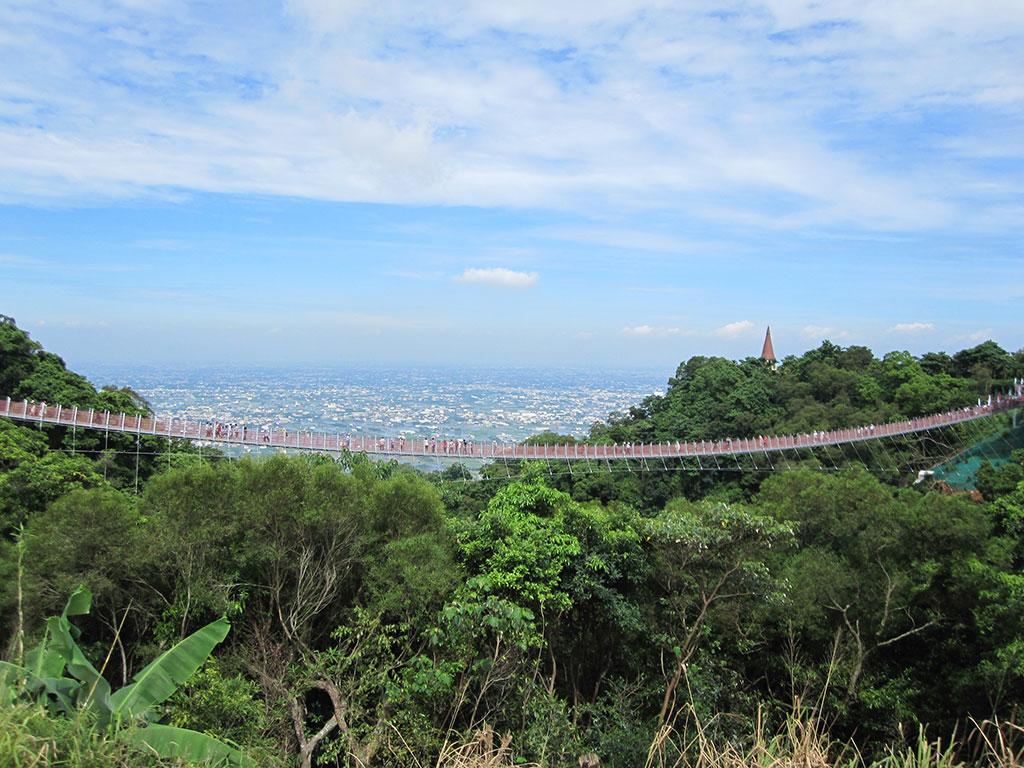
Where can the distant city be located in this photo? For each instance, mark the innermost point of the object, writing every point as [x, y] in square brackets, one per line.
[503, 404]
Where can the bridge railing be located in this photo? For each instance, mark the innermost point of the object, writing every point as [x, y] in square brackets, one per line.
[214, 431]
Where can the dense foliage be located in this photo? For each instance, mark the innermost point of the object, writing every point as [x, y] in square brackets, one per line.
[39, 465]
[377, 615]
[827, 388]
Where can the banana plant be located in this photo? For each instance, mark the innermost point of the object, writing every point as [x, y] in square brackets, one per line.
[42, 676]
[58, 673]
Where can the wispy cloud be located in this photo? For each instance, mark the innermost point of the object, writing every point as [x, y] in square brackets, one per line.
[730, 331]
[20, 261]
[115, 267]
[824, 332]
[782, 160]
[667, 289]
[413, 275]
[499, 276]
[974, 337]
[650, 330]
[379, 323]
[735, 330]
[625, 239]
[911, 327]
[769, 115]
[73, 323]
[162, 244]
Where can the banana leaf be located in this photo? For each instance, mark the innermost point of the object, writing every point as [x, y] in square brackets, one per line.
[45, 661]
[79, 604]
[57, 692]
[94, 691]
[168, 671]
[168, 742]
[43, 674]
[59, 653]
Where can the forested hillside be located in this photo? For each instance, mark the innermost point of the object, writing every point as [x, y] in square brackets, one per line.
[382, 617]
[830, 387]
[827, 388]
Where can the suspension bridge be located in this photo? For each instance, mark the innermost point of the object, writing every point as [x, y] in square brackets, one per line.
[710, 451]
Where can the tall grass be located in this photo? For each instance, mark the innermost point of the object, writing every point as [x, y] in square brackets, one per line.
[485, 750]
[804, 742]
[998, 744]
[30, 737]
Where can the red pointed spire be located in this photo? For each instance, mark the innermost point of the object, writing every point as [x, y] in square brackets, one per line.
[768, 352]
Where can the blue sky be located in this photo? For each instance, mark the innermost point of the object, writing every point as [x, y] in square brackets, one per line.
[603, 183]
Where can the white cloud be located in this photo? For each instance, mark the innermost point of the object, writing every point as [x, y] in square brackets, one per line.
[74, 323]
[650, 330]
[911, 327]
[770, 114]
[731, 331]
[824, 332]
[499, 276]
[735, 330]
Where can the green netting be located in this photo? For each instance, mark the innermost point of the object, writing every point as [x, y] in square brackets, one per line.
[960, 472]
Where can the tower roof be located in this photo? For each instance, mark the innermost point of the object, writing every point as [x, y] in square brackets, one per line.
[768, 352]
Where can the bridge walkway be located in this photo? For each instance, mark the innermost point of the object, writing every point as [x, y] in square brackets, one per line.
[304, 440]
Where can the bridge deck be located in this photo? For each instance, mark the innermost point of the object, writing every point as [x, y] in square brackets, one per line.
[232, 434]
